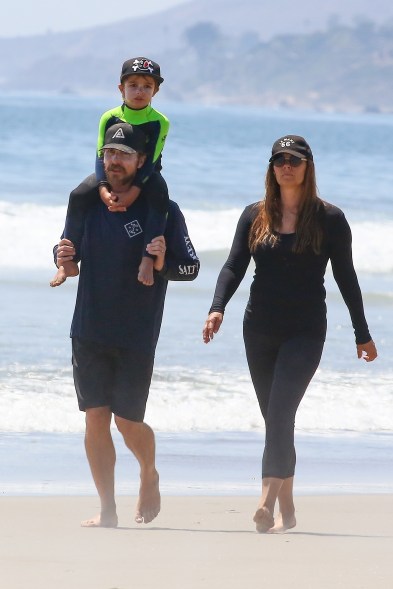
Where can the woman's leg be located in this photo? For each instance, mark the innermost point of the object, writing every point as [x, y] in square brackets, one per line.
[281, 374]
[296, 363]
[273, 489]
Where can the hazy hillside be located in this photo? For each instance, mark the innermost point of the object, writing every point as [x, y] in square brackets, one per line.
[330, 55]
[344, 68]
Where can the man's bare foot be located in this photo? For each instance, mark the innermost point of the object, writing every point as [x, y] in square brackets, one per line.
[283, 524]
[63, 272]
[101, 520]
[263, 519]
[145, 273]
[149, 502]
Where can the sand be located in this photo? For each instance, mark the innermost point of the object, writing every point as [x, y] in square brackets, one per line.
[197, 542]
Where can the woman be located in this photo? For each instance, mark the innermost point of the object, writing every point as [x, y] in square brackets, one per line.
[291, 235]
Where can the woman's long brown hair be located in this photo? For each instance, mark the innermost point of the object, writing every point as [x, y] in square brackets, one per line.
[269, 217]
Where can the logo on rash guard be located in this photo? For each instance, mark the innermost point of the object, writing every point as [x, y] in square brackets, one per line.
[133, 228]
[190, 249]
[188, 270]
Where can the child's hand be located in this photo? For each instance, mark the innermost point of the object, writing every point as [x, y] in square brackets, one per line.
[116, 204]
[105, 195]
[111, 200]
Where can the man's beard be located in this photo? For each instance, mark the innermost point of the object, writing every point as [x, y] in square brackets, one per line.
[125, 180]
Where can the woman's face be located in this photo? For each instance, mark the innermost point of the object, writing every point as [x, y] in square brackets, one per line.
[289, 171]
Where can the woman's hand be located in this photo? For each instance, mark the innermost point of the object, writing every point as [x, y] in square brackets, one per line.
[157, 248]
[212, 325]
[367, 351]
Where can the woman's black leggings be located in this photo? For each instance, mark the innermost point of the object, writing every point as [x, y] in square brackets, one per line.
[281, 369]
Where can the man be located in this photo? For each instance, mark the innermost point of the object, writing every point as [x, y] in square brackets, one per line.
[117, 320]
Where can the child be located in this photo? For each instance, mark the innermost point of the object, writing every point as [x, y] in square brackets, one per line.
[140, 80]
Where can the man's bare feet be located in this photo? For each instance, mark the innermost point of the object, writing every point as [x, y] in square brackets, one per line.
[101, 520]
[145, 273]
[264, 520]
[149, 502]
[283, 524]
[63, 272]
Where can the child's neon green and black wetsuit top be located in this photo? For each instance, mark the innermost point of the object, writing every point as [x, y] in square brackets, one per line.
[154, 124]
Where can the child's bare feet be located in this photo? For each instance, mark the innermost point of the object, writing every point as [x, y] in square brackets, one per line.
[63, 272]
[145, 274]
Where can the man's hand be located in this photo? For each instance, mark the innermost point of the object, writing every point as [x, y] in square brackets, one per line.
[157, 248]
[65, 252]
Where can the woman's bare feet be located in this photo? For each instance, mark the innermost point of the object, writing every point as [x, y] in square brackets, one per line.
[149, 502]
[264, 520]
[145, 273]
[283, 524]
[63, 272]
[101, 520]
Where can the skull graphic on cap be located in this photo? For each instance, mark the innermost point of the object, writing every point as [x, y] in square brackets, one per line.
[144, 66]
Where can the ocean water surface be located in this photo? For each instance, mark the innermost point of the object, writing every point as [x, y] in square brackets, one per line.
[202, 404]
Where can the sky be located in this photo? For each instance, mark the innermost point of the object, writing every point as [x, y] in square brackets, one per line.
[35, 17]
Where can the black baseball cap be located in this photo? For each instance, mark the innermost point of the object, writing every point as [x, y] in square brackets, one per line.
[125, 137]
[141, 66]
[293, 144]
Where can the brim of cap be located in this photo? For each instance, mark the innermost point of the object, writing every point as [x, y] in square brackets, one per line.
[119, 147]
[291, 152]
[158, 78]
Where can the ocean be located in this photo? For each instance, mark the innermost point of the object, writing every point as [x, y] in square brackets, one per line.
[202, 404]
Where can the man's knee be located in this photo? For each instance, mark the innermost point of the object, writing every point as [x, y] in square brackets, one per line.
[98, 418]
[126, 426]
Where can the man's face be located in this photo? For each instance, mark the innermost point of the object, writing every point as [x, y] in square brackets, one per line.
[121, 167]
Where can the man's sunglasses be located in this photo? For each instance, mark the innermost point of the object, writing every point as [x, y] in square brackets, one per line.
[291, 160]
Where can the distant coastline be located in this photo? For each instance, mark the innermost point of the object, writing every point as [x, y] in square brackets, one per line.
[333, 64]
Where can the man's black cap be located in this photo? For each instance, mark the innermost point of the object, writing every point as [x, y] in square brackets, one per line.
[125, 137]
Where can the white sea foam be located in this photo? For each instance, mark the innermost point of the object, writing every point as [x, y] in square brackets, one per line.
[29, 232]
[183, 400]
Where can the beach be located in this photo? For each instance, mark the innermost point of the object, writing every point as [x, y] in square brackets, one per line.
[340, 542]
[204, 536]
[202, 406]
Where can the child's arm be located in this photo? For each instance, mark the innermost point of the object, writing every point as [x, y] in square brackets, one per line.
[104, 187]
[103, 184]
[157, 132]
